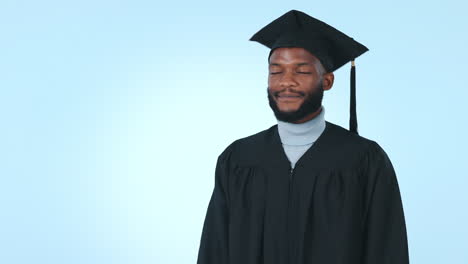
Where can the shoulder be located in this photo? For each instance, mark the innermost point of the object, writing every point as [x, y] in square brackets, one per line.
[369, 151]
[348, 143]
[338, 146]
[248, 147]
[347, 148]
[353, 141]
[346, 138]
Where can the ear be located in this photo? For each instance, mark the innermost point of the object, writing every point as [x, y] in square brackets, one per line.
[328, 79]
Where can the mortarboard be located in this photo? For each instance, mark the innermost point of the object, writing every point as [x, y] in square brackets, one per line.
[332, 47]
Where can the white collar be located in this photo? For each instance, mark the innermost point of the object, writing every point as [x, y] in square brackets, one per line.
[304, 133]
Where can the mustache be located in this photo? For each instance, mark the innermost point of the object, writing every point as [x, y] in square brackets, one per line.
[292, 91]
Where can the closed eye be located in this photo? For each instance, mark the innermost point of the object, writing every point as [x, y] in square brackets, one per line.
[297, 72]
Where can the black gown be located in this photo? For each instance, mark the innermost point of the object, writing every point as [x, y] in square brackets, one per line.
[341, 204]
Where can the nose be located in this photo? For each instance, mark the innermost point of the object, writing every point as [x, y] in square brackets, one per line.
[287, 80]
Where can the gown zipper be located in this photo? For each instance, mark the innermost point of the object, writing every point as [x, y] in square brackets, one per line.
[291, 172]
[288, 223]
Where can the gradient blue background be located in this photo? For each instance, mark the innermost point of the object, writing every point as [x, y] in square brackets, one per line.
[113, 114]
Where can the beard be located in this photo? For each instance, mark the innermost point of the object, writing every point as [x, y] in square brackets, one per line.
[312, 103]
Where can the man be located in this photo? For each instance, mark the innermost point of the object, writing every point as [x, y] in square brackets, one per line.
[304, 190]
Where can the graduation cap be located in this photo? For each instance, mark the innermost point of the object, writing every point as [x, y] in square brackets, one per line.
[332, 47]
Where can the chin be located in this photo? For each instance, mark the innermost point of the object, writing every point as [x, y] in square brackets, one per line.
[288, 108]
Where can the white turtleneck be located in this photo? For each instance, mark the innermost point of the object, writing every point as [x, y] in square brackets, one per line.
[298, 138]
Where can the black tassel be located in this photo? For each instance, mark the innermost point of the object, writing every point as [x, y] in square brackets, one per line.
[352, 104]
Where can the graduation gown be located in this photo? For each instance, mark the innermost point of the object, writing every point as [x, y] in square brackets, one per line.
[340, 204]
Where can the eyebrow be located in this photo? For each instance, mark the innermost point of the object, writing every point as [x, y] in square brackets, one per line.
[297, 64]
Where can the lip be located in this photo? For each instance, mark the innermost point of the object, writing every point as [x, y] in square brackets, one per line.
[288, 98]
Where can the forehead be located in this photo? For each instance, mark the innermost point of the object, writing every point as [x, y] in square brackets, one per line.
[291, 55]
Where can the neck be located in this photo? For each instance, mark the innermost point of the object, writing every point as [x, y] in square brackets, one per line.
[299, 134]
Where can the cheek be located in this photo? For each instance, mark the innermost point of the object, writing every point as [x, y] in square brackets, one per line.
[307, 80]
[270, 80]
[310, 84]
[274, 82]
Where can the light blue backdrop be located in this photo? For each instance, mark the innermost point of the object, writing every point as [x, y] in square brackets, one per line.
[113, 113]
